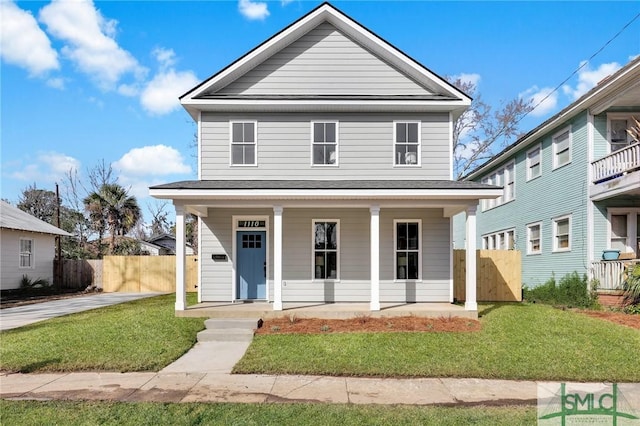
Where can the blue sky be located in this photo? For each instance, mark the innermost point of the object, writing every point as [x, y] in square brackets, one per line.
[87, 81]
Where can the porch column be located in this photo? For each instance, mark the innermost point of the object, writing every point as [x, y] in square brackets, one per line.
[375, 258]
[470, 263]
[277, 258]
[181, 288]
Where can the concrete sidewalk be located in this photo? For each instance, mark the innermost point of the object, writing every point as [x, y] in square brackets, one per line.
[28, 314]
[217, 387]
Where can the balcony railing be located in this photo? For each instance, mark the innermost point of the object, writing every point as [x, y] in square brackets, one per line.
[611, 273]
[616, 164]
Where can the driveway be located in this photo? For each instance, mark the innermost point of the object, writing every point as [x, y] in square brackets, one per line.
[29, 314]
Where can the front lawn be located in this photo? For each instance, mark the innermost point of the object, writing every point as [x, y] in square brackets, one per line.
[517, 341]
[95, 413]
[143, 335]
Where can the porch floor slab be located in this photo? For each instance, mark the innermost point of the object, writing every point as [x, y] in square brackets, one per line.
[265, 310]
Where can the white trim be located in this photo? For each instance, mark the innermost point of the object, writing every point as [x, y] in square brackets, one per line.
[277, 258]
[255, 142]
[234, 249]
[566, 129]
[419, 144]
[528, 233]
[554, 230]
[313, 250]
[451, 172]
[589, 202]
[181, 275]
[337, 143]
[374, 231]
[32, 260]
[528, 162]
[395, 250]
[618, 116]
[199, 141]
[508, 169]
[200, 258]
[470, 303]
[451, 291]
[504, 234]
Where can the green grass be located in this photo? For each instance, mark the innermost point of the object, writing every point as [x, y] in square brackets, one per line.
[102, 413]
[143, 335]
[517, 341]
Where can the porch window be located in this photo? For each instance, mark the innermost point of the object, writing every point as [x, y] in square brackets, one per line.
[534, 237]
[562, 234]
[407, 143]
[26, 253]
[243, 143]
[325, 249]
[534, 166]
[407, 250]
[562, 148]
[619, 232]
[325, 144]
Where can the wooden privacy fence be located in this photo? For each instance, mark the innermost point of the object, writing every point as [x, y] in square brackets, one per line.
[498, 275]
[146, 273]
[80, 274]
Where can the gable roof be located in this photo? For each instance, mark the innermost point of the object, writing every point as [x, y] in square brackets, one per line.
[620, 86]
[13, 218]
[443, 95]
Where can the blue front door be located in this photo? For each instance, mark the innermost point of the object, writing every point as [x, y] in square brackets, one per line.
[252, 264]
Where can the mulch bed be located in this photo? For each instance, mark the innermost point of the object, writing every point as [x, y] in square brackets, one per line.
[367, 325]
[617, 317]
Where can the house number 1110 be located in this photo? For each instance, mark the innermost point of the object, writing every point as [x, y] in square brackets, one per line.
[251, 224]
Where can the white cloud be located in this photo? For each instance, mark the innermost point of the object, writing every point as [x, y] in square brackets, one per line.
[470, 78]
[285, 2]
[253, 10]
[48, 167]
[156, 160]
[91, 45]
[588, 78]
[545, 100]
[160, 96]
[165, 57]
[56, 83]
[23, 43]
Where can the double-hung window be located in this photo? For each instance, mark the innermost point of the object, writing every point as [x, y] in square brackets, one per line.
[562, 233]
[326, 234]
[618, 125]
[534, 163]
[406, 143]
[407, 249]
[562, 148]
[534, 238]
[243, 143]
[324, 141]
[619, 232]
[501, 240]
[26, 253]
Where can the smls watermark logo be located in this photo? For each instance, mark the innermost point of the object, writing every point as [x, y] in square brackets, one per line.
[588, 404]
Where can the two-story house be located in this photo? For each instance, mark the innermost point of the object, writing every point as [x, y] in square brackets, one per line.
[325, 173]
[571, 187]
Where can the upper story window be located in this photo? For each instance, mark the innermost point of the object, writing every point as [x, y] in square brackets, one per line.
[243, 143]
[618, 124]
[26, 253]
[501, 240]
[534, 162]
[406, 144]
[562, 148]
[325, 249]
[562, 233]
[534, 238]
[506, 178]
[407, 249]
[324, 142]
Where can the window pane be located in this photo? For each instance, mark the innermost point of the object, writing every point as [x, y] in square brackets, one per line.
[318, 154]
[412, 272]
[401, 132]
[618, 131]
[412, 133]
[319, 264]
[330, 132]
[619, 226]
[562, 141]
[563, 241]
[535, 170]
[401, 230]
[563, 227]
[249, 154]
[248, 132]
[412, 230]
[332, 265]
[563, 157]
[237, 156]
[332, 235]
[535, 232]
[318, 132]
[400, 153]
[237, 132]
[401, 265]
[320, 236]
[411, 156]
[330, 154]
[511, 242]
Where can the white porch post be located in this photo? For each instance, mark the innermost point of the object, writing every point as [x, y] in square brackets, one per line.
[470, 303]
[375, 258]
[277, 258]
[181, 288]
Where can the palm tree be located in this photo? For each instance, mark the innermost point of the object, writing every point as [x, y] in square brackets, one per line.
[112, 208]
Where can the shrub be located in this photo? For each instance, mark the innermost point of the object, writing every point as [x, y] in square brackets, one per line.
[572, 291]
[28, 283]
[631, 286]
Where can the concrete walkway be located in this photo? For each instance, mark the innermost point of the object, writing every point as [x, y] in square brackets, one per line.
[29, 314]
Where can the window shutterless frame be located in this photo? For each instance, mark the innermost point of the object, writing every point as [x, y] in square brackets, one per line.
[325, 144]
[561, 143]
[26, 254]
[534, 162]
[562, 233]
[243, 143]
[325, 249]
[534, 238]
[407, 143]
[407, 250]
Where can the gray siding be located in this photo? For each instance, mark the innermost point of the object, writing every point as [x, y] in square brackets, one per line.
[324, 61]
[353, 284]
[365, 147]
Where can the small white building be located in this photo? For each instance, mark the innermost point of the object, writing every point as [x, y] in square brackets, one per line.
[28, 247]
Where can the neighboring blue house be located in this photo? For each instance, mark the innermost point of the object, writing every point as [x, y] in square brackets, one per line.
[571, 187]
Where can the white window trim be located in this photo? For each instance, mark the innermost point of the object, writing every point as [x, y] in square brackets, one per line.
[32, 264]
[313, 250]
[554, 225]
[337, 163]
[255, 143]
[395, 249]
[491, 180]
[618, 116]
[234, 250]
[419, 154]
[528, 227]
[632, 231]
[528, 163]
[553, 145]
[504, 233]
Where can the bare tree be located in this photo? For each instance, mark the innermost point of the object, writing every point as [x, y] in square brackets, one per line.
[481, 130]
[159, 218]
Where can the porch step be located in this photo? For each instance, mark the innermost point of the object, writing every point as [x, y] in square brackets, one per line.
[228, 330]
